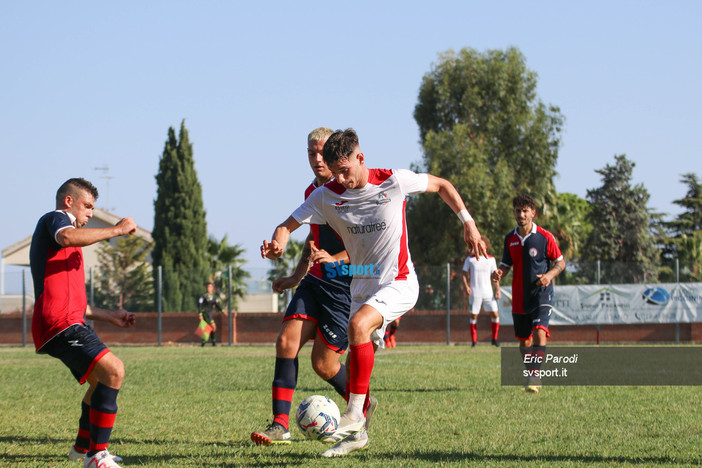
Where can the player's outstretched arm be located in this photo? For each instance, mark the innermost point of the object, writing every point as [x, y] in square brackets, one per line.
[303, 265]
[450, 195]
[275, 248]
[87, 236]
[120, 318]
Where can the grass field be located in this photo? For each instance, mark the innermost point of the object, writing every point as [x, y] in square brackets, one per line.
[438, 405]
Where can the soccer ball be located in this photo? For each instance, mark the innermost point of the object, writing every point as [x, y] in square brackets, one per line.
[317, 417]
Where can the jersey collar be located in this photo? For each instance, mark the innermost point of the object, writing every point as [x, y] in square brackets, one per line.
[70, 216]
[522, 239]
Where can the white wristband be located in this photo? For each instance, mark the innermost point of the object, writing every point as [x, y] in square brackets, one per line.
[464, 216]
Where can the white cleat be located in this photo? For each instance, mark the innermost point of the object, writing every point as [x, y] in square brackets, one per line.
[75, 455]
[347, 427]
[357, 441]
[102, 459]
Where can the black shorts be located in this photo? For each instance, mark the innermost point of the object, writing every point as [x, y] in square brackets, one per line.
[79, 348]
[326, 305]
[524, 324]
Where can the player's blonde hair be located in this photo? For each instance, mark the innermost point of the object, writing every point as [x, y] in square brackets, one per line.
[319, 134]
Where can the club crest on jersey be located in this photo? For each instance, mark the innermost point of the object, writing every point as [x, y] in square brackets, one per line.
[533, 252]
[383, 198]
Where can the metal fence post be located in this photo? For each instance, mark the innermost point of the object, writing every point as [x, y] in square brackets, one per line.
[597, 281]
[24, 308]
[159, 300]
[229, 307]
[677, 280]
[448, 304]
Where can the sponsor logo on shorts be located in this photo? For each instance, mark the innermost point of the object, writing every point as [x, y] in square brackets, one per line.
[330, 333]
[342, 269]
[75, 343]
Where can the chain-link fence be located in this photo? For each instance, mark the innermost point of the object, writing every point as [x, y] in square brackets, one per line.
[441, 289]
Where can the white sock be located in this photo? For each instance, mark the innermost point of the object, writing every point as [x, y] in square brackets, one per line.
[354, 409]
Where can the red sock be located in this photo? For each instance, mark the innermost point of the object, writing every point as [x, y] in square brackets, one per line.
[361, 367]
[495, 328]
[473, 330]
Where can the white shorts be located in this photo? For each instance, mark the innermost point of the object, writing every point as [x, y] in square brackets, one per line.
[488, 304]
[392, 301]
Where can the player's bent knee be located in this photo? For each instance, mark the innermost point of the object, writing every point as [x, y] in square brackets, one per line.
[110, 371]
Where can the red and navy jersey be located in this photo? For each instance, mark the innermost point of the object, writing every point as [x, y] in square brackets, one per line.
[327, 239]
[530, 256]
[59, 279]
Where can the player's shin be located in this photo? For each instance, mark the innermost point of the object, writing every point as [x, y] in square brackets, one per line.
[103, 410]
[284, 383]
[362, 361]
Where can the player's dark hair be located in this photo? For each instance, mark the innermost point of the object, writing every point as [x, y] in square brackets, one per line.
[523, 200]
[72, 187]
[340, 145]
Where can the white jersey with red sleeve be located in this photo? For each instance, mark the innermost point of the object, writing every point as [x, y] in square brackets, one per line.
[371, 222]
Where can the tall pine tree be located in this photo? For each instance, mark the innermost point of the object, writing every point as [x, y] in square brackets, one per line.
[621, 222]
[180, 229]
[685, 243]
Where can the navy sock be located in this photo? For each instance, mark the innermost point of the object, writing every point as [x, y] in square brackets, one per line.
[339, 381]
[284, 383]
[103, 410]
[83, 439]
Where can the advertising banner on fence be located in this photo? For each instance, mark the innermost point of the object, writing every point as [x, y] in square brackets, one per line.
[620, 303]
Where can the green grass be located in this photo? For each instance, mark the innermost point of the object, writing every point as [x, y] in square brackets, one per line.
[438, 405]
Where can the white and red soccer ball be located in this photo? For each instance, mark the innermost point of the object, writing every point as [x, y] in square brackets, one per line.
[317, 417]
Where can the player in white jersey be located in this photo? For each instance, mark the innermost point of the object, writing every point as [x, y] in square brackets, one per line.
[478, 283]
[366, 207]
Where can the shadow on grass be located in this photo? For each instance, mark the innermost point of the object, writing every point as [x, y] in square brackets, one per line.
[236, 453]
[529, 460]
[306, 390]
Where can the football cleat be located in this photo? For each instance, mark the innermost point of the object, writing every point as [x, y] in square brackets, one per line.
[533, 385]
[275, 433]
[75, 455]
[372, 405]
[101, 459]
[496, 343]
[347, 427]
[357, 441]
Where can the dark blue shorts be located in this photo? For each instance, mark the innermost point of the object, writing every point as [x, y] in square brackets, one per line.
[524, 324]
[79, 348]
[326, 305]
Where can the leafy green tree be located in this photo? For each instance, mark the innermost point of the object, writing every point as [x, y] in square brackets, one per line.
[566, 216]
[685, 242]
[483, 128]
[221, 256]
[124, 275]
[285, 266]
[180, 229]
[621, 222]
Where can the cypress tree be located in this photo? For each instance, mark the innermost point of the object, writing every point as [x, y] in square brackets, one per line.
[180, 228]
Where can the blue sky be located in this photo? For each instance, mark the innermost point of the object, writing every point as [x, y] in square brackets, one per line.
[92, 84]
